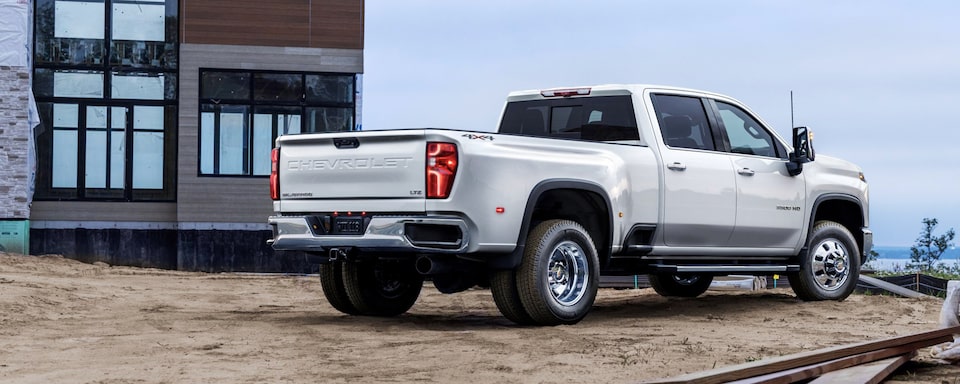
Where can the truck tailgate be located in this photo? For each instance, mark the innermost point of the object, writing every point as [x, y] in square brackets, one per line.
[353, 165]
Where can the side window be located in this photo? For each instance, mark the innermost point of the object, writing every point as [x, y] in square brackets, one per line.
[683, 122]
[746, 135]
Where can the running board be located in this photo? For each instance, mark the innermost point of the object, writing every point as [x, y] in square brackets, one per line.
[725, 269]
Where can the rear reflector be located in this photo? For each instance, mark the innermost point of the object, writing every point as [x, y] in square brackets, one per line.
[565, 92]
[274, 174]
[441, 169]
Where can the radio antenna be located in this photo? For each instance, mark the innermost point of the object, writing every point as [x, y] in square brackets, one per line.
[791, 109]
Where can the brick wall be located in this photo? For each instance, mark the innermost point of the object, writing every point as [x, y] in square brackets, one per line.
[14, 135]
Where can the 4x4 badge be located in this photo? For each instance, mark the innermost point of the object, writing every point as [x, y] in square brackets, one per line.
[472, 136]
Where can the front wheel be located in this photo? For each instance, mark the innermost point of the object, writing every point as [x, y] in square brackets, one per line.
[381, 288]
[830, 268]
[680, 285]
[558, 278]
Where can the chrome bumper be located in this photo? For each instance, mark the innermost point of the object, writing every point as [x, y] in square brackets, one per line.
[293, 233]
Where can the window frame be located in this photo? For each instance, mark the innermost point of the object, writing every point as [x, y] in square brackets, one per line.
[106, 66]
[254, 103]
[719, 144]
[780, 150]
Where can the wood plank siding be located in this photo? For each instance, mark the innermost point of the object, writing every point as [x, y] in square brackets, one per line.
[337, 24]
[279, 23]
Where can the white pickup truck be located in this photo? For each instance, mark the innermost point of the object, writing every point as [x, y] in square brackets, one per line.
[680, 184]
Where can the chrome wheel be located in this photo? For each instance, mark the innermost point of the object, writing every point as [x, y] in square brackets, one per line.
[830, 264]
[830, 268]
[687, 279]
[567, 273]
[557, 278]
[680, 285]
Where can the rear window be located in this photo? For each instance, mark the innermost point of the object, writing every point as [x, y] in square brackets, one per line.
[603, 118]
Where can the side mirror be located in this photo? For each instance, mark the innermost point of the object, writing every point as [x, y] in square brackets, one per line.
[802, 150]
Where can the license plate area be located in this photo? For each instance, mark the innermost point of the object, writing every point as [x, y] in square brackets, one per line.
[347, 225]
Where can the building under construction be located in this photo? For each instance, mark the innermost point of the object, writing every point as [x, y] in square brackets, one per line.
[138, 132]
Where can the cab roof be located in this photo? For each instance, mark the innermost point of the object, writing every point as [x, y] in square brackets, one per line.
[598, 90]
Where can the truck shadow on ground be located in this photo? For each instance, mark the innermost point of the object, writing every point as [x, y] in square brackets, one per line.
[606, 309]
[706, 305]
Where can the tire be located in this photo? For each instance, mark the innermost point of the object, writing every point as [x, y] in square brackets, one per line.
[558, 277]
[381, 288]
[680, 285]
[830, 268]
[331, 280]
[503, 286]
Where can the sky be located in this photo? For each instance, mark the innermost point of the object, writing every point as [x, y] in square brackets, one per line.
[877, 81]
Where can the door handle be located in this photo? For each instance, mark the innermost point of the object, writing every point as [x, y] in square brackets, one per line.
[746, 171]
[677, 166]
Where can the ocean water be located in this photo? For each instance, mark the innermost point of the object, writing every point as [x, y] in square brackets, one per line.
[897, 258]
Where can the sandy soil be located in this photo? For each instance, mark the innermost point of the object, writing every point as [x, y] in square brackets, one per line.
[64, 321]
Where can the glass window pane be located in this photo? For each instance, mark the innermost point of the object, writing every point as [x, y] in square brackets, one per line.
[65, 115]
[79, 19]
[96, 160]
[57, 50]
[329, 88]
[206, 141]
[288, 118]
[225, 85]
[262, 120]
[138, 20]
[118, 117]
[78, 84]
[137, 86]
[148, 160]
[232, 140]
[329, 119]
[97, 117]
[262, 143]
[118, 153]
[683, 122]
[289, 124]
[148, 117]
[277, 87]
[143, 54]
[64, 159]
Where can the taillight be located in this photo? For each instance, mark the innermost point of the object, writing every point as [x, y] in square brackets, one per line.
[441, 169]
[275, 174]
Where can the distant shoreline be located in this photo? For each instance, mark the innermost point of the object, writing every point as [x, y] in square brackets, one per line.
[892, 259]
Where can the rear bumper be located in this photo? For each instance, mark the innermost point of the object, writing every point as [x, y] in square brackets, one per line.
[390, 233]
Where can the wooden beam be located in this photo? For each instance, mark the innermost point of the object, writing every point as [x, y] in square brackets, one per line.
[872, 373]
[819, 369]
[783, 363]
[892, 288]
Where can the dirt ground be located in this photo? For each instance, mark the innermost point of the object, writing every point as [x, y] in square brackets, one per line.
[63, 321]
